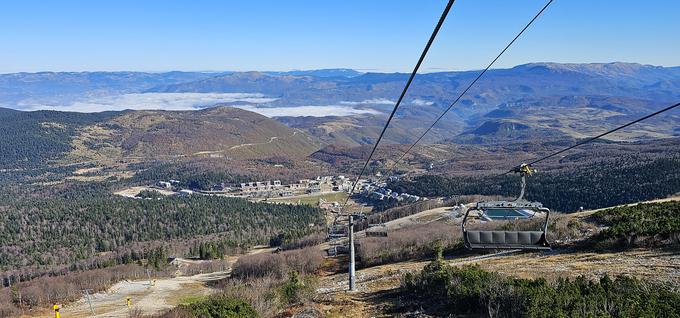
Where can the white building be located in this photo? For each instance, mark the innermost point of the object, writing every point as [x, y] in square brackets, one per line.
[164, 185]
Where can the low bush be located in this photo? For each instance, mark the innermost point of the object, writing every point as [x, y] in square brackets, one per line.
[306, 241]
[651, 224]
[296, 289]
[470, 290]
[221, 307]
[412, 242]
[303, 261]
[260, 293]
[213, 307]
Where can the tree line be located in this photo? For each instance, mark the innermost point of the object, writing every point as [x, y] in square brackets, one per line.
[74, 225]
[29, 139]
[443, 289]
[592, 186]
[652, 224]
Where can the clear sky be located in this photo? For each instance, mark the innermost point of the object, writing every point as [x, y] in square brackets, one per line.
[377, 35]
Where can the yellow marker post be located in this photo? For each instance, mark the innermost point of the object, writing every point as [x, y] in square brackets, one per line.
[129, 302]
[56, 311]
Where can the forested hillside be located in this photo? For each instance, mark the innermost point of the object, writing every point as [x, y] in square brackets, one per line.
[655, 224]
[470, 291]
[62, 228]
[29, 139]
[38, 139]
[592, 186]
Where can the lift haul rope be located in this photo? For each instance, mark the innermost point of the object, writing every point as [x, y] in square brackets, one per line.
[403, 93]
[598, 136]
[415, 70]
[468, 87]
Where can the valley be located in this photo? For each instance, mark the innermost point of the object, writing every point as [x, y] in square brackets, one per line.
[332, 159]
[191, 193]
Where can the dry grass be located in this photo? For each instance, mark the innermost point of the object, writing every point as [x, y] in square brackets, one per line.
[412, 242]
[304, 261]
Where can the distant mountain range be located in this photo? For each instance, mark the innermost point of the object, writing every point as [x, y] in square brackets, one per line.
[60, 88]
[497, 86]
[331, 72]
[534, 100]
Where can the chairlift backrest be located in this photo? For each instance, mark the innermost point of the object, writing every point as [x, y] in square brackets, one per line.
[376, 234]
[485, 239]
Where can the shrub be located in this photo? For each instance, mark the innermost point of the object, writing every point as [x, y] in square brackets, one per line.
[470, 290]
[291, 291]
[277, 265]
[643, 224]
[44, 291]
[306, 241]
[409, 243]
[258, 292]
[221, 307]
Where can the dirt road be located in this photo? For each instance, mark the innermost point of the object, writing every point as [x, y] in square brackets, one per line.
[133, 191]
[164, 294]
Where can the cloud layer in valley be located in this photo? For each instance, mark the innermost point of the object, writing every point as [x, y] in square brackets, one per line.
[373, 101]
[313, 111]
[191, 101]
[163, 101]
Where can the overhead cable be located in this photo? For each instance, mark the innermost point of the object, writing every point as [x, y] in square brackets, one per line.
[403, 93]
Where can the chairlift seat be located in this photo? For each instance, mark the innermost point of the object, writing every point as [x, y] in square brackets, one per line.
[506, 240]
[376, 234]
[527, 240]
[488, 211]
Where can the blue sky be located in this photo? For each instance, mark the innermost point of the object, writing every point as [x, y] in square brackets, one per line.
[375, 35]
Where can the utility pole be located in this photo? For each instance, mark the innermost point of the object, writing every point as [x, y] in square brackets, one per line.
[352, 254]
[352, 276]
[89, 301]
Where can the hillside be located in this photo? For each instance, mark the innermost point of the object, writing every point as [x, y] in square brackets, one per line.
[220, 131]
[36, 138]
[497, 86]
[33, 138]
[571, 117]
[554, 100]
[364, 129]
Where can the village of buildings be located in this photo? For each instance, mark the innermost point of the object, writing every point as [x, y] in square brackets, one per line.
[369, 190]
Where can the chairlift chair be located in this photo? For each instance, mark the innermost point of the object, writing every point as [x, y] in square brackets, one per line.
[377, 229]
[528, 240]
[338, 229]
[373, 231]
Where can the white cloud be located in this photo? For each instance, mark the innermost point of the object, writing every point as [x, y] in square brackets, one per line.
[164, 101]
[313, 111]
[373, 101]
[421, 102]
[192, 101]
